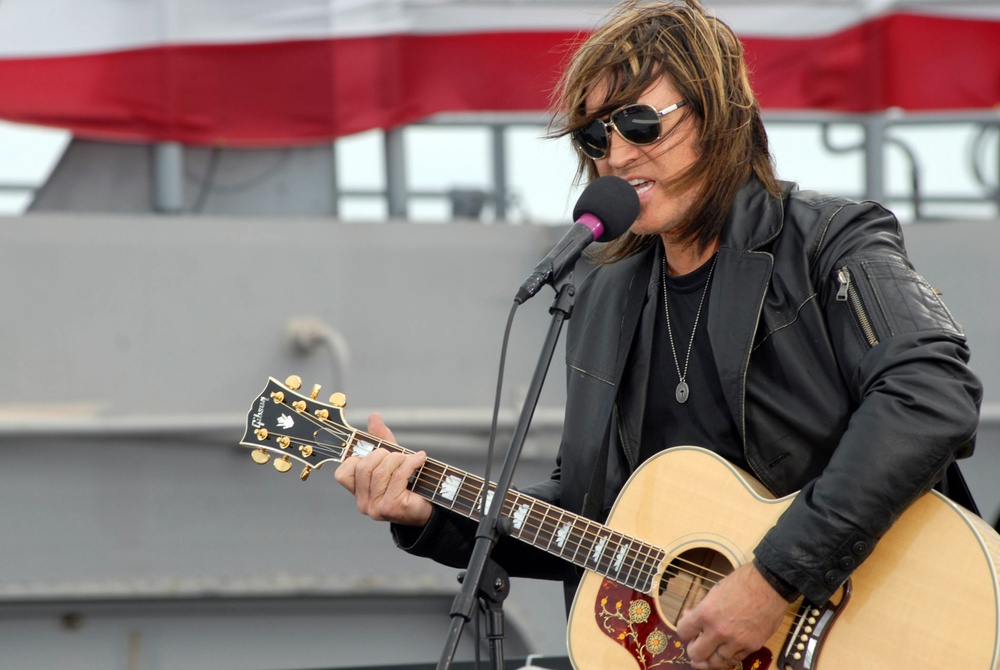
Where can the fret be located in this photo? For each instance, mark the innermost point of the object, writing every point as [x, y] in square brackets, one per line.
[419, 478]
[639, 571]
[539, 520]
[425, 487]
[634, 563]
[478, 506]
[561, 534]
[625, 562]
[619, 561]
[597, 551]
[589, 541]
[547, 526]
[449, 487]
[506, 505]
[471, 492]
[519, 514]
[606, 561]
[649, 565]
[638, 566]
[599, 557]
[426, 481]
[617, 555]
[360, 447]
[578, 536]
[468, 492]
[526, 522]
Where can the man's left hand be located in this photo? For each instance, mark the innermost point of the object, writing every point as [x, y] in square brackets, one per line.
[734, 620]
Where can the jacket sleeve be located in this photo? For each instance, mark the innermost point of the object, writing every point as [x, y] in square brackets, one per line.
[905, 360]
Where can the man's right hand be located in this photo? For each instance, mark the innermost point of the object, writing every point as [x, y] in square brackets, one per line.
[378, 481]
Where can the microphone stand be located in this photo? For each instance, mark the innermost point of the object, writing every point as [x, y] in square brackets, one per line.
[484, 579]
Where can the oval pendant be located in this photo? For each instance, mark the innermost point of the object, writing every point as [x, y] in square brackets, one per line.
[682, 392]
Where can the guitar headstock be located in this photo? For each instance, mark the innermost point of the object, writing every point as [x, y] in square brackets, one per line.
[285, 426]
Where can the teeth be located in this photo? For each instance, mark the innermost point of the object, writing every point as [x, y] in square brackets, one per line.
[640, 185]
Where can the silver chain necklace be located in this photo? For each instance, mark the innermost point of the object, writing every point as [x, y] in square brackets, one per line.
[683, 392]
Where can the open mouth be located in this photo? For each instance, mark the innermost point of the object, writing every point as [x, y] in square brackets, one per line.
[641, 185]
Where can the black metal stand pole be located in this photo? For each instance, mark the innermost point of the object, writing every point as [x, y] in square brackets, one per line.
[479, 582]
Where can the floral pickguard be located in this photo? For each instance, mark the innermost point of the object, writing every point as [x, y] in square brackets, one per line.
[630, 618]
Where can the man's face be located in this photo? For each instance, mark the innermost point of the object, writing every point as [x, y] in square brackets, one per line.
[650, 168]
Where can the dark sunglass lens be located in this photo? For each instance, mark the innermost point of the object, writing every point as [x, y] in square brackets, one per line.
[639, 124]
[592, 139]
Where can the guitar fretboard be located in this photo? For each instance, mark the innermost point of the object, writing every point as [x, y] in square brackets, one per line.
[579, 540]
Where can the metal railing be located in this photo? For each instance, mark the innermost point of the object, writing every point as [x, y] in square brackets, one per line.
[877, 139]
[879, 135]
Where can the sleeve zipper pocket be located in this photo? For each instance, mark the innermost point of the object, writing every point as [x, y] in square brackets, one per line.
[847, 292]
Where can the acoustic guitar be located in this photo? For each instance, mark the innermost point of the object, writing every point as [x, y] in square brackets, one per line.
[927, 597]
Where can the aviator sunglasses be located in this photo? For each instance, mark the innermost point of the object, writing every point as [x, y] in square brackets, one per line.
[637, 124]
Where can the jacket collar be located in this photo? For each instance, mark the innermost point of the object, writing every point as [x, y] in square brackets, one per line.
[742, 275]
[754, 219]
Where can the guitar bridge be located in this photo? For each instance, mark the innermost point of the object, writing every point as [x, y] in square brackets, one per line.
[812, 624]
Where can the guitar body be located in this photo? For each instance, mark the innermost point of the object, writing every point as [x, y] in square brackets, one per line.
[927, 597]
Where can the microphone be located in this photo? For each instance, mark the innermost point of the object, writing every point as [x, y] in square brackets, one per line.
[604, 211]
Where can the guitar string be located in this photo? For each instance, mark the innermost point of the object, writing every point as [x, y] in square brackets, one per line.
[641, 553]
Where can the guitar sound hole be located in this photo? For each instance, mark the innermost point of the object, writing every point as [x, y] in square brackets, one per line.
[687, 580]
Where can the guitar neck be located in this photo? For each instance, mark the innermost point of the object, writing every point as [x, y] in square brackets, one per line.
[569, 536]
[288, 426]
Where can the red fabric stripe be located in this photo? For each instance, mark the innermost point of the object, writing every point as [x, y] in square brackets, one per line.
[917, 63]
[276, 93]
[309, 91]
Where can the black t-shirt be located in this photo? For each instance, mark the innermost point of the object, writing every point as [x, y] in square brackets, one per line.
[704, 420]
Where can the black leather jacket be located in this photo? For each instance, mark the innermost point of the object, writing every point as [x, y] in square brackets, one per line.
[844, 371]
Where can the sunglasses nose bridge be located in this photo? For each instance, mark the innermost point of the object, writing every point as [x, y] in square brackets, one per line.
[609, 125]
[620, 149]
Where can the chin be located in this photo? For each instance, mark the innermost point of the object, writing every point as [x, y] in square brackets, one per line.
[645, 228]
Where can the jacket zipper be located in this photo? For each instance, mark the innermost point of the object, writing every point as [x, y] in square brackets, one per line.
[848, 293]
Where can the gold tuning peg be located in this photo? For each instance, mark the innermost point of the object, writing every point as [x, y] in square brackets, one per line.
[305, 473]
[294, 382]
[315, 392]
[261, 433]
[338, 399]
[322, 413]
[283, 464]
[284, 441]
[260, 456]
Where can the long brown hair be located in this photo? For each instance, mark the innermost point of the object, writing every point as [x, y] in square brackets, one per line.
[640, 43]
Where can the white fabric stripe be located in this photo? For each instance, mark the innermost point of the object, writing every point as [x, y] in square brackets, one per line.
[32, 28]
